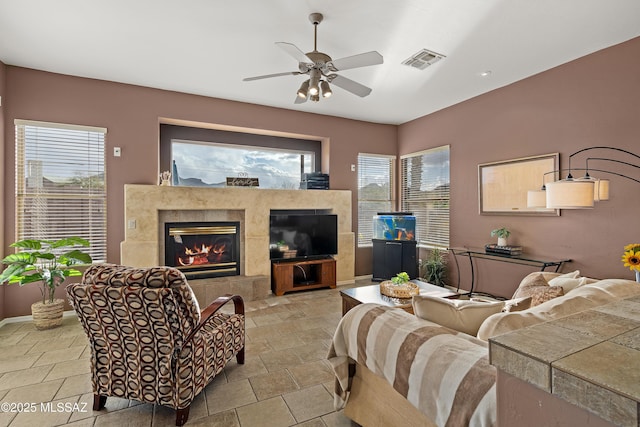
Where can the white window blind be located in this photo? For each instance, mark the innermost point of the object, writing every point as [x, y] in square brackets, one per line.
[425, 192]
[375, 192]
[60, 183]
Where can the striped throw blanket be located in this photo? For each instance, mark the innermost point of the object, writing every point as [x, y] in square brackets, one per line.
[444, 373]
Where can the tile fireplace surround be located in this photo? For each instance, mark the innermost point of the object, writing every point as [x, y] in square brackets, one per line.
[150, 206]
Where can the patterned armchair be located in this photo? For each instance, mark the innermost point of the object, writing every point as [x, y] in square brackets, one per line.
[149, 341]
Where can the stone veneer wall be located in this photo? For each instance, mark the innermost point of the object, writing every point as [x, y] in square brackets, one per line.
[145, 204]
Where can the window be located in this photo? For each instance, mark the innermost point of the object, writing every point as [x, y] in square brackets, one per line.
[60, 183]
[209, 164]
[425, 192]
[375, 192]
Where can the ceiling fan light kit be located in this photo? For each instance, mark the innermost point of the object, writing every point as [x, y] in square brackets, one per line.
[303, 92]
[321, 69]
[326, 89]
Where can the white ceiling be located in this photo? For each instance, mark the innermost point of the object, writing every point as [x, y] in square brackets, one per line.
[207, 47]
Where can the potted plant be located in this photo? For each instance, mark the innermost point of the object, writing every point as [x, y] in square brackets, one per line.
[400, 278]
[502, 234]
[47, 262]
[434, 267]
[399, 287]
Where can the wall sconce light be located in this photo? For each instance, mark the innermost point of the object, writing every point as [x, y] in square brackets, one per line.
[580, 193]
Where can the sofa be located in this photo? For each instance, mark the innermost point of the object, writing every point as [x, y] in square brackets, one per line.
[432, 368]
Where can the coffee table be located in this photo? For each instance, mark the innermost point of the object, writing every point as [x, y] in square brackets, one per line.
[366, 294]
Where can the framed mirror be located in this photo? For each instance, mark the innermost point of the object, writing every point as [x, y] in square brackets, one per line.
[503, 185]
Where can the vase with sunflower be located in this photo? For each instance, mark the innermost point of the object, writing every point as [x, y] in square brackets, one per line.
[631, 258]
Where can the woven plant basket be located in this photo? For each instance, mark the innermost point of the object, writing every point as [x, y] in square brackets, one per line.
[47, 316]
[403, 291]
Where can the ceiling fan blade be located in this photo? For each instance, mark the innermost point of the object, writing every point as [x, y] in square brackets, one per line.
[351, 86]
[293, 51]
[267, 76]
[300, 100]
[356, 61]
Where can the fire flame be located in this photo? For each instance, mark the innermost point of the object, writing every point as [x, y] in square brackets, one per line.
[203, 250]
[200, 255]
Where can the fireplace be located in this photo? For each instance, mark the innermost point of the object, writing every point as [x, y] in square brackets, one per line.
[203, 249]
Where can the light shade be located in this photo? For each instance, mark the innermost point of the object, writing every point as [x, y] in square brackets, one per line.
[326, 89]
[601, 190]
[536, 199]
[570, 194]
[304, 89]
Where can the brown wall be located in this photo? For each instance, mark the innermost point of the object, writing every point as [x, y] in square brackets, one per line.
[132, 115]
[592, 101]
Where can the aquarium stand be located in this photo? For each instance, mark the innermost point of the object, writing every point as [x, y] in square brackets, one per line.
[391, 257]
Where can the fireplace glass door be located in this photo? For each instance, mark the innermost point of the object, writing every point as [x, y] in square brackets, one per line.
[203, 249]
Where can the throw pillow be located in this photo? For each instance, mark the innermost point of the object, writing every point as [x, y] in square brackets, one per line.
[529, 284]
[544, 294]
[462, 315]
[572, 275]
[568, 283]
[517, 304]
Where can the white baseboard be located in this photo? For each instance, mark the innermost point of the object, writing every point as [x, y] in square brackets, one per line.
[29, 318]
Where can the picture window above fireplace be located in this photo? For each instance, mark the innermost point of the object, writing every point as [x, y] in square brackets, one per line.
[209, 164]
[207, 157]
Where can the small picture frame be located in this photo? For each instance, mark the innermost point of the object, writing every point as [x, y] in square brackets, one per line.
[503, 185]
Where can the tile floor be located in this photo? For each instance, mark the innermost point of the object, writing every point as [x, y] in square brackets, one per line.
[285, 381]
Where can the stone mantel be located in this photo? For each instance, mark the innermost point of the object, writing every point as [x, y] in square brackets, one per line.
[144, 203]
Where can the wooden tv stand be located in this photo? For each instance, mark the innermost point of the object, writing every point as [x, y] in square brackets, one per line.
[288, 276]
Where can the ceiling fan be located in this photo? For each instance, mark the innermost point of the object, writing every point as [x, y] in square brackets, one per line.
[321, 69]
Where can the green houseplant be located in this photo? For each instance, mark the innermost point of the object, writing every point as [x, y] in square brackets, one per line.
[400, 278]
[434, 267]
[502, 234]
[48, 262]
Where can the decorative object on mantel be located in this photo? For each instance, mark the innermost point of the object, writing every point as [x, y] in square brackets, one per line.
[502, 234]
[165, 178]
[631, 258]
[579, 193]
[314, 181]
[242, 180]
[399, 287]
[47, 262]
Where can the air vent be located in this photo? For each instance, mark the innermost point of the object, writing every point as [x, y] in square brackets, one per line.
[423, 59]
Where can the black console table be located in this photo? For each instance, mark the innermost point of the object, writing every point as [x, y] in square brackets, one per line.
[522, 259]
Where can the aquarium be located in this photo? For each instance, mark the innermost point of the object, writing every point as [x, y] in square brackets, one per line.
[394, 226]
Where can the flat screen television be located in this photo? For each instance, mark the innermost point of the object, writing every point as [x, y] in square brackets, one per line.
[303, 236]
